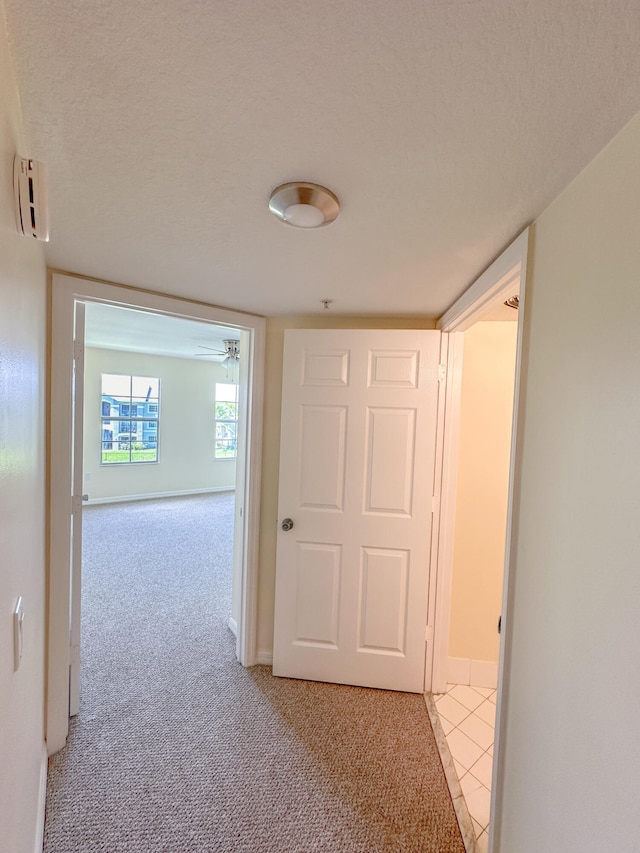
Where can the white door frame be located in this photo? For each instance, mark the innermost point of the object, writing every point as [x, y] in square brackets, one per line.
[506, 274]
[493, 286]
[65, 291]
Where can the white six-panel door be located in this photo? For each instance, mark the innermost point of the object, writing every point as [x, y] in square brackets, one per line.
[356, 478]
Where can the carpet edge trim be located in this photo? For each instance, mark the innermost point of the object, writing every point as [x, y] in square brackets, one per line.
[457, 797]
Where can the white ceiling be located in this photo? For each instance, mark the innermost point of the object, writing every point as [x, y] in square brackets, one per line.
[113, 327]
[443, 127]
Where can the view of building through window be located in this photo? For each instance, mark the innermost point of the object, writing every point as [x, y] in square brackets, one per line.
[129, 418]
[226, 420]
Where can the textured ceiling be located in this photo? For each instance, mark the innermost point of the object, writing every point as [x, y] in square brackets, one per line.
[443, 127]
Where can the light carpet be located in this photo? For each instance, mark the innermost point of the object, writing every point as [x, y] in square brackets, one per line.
[178, 748]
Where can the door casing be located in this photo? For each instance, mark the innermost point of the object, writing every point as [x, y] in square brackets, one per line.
[495, 285]
[65, 291]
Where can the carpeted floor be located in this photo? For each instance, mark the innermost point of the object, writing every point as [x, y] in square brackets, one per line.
[178, 748]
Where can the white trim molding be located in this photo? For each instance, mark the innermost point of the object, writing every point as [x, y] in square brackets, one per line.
[265, 657]
[153, 495]
[444, 532]
[233, 626]
[479, 673]
[505, 276]
[494, 285]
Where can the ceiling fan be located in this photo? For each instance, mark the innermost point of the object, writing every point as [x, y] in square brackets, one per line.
[231, 353]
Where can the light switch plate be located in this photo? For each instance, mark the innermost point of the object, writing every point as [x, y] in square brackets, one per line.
[18, 619]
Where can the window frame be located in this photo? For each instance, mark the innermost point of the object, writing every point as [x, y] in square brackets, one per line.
[122, 402]
[230, 456]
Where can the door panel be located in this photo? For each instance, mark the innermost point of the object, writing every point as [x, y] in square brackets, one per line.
[317, 586]
[389, 476]
[322, 457]
[356, 476]
[383, 601]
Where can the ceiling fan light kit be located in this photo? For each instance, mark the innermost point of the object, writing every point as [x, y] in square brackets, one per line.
[304, 205]
[231, 352]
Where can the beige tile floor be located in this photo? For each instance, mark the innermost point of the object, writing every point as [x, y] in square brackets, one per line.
[467, 715]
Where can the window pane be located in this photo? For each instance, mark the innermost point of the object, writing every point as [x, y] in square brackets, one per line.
[226, 430]
[227, 411]
[116, 385]
[146, 452]
[226, 392]
[145, 387]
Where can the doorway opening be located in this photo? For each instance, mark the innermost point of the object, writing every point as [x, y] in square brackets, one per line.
[159, 422]
[228, 431]
[480, 458]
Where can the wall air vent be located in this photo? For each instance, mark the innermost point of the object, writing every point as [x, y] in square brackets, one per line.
[30, 194]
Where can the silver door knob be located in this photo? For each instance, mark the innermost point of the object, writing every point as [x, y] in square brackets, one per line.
[287, 524]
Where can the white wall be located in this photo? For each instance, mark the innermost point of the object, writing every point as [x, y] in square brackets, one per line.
[571, 747]
[486, 409]
[186, 429]
[22, 387]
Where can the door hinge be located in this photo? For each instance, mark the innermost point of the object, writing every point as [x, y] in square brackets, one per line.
[442, 372]
[428, 634]
[76, 502]
[435, 503]
[74, 655]
[78, 349]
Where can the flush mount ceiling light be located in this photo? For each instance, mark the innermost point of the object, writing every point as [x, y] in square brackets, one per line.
[304, 205]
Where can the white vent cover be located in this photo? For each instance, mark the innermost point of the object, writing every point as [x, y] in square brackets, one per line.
[30, 194]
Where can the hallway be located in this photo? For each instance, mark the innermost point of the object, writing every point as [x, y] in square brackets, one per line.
[178, 748]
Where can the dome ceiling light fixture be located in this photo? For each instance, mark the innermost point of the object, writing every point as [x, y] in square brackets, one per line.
[304, 205]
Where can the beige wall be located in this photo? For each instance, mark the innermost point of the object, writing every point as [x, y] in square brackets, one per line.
[571, 749]
[22, 484]
[483, 479]
[271, 440]
[186, 430]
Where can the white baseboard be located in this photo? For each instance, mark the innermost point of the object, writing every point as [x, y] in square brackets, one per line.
[233, 626]
[479, 673]
[151, 495]
[484, 673]
[264, 657]
[42, 797]
[458, 671]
